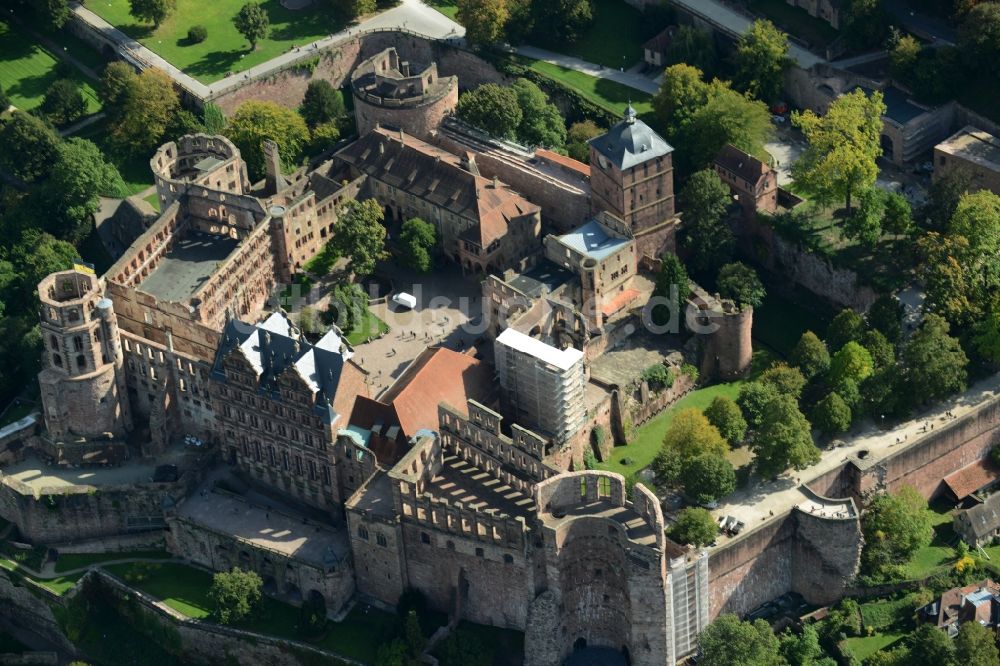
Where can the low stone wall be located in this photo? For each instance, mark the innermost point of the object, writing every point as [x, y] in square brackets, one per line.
[26, 608]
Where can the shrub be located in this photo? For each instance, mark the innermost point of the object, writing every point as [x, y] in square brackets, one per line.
[689, 370]
[197, 34]
[658, 377]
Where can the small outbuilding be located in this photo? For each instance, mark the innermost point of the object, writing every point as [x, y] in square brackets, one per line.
[977, 526]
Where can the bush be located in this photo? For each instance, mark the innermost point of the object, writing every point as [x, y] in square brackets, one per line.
[691, 371]
[197, 34]
[658, 377]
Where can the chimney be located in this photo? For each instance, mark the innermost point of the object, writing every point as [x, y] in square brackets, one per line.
[496, 183]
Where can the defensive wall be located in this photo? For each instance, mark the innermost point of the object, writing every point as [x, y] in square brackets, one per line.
[815, 554]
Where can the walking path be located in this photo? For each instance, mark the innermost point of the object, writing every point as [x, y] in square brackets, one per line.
[411, 15]
[627, 78]
[80, 124]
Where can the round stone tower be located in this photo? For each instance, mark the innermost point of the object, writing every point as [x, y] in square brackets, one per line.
[82, 382]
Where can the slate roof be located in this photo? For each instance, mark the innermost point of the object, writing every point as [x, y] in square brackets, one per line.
[984, 518]
[743, 165]
[592, 240]
[631, 142]
[273, 348]
[433, 174]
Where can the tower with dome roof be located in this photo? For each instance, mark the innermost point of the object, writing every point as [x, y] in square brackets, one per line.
[632, 176]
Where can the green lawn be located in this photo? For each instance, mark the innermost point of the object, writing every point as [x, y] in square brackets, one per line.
[796, 21]
[612, 96]
[649, 437]
[614, 39]
[60, 585]
[225, 50]
[154, 201]
[446, 7]
[369, 327]
[70, 561]
[863, 647]
[940, 554]
[183, 588]
[27, 70]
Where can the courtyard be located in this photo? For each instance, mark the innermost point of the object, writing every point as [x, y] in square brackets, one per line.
[37, 474]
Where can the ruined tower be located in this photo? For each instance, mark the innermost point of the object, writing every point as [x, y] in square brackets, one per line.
[82, 382]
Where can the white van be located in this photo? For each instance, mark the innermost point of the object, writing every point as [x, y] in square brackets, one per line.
[404, 299]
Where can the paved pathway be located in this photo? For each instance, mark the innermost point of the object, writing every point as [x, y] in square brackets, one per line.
[627, 78]
[761, 499]
[735, 23]
[80, 124]
[411, 15]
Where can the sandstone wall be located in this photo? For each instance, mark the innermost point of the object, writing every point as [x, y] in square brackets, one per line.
[826, 555]
[336, 63]
[753, 569]
[24, 607]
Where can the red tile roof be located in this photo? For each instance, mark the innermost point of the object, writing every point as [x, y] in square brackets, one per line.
[971, 478]
[563, 161]
[620, 300]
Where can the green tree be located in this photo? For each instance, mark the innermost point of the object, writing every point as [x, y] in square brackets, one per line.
[63, 102]
[979, 33]
[693, 46]
[78, 176]
[802, 649]
[116, 78]
[418, 239]
[154, 11]
[55, 12]
[842, 147]
[752, 399]
[673, 286]
[255, 122]
[351, 9]
[785, 379]
[942, 199]
[929, 646]
[740, 283]
[667, 466]
[897, 656]
[729, 641]
[852, 362]
[832, 415]
[977, 219]
[322, 103]
[392, 653]
[864, 23]
[27, 146]
[707, 477]
[845, 327]
[541, 122]
[4, 101]
[691, 434]
[761, 59]
[934, 361]
[694, 526]
[561, 20]
[784, 439]
[810, 355]
[879, 348]
[681, 92]
[898, 216]
[895, 526]
[145, 110]
[949, 280]
[322, 136]
[726, 416]
[886, 315]
[213, 119]
[883, 392]
[903, 57]
[975, 644]
[235, 595]
[360, 235]
[706, 236]
[491, 108]
[415, 641]
[577, 137]
[484, 20]
[253, 23]
[864, 224]
[658, 376]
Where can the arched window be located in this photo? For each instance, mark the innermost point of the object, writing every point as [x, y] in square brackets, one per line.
[604, 487]
[81, 362]
[78, 343]
[381, 540]
[57, 360]
[363, 532]
[54, 342]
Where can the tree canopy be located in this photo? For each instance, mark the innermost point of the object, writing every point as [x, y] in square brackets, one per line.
[934, 361]
[843, 145]
[484, 20]
[810, 355]
[740, 283]
[672, 288]
[729, 641]
[360, 235]
[577, 137]
[322, 103]
[145, 107]
[63, 102]
[154, 11]
[832, 415]
[707, 477]
[253, 23]
[691, 434]
[726, 416]
[541, 122]
[28, 147]
[694, 526]
[706, 235]
[894, 526]
[417, 239]
[761, 59]
[784, 439]
[254, 122]
[236, 595]
[493, 109]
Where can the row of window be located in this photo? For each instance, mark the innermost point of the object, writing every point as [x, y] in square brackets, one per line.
[287, 462]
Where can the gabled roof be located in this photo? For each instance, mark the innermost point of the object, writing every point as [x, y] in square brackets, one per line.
[984, 518]
[660, 42]
[971, 478]
[274, 349]
[631, 142]
[433, 174]
[743, 165]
